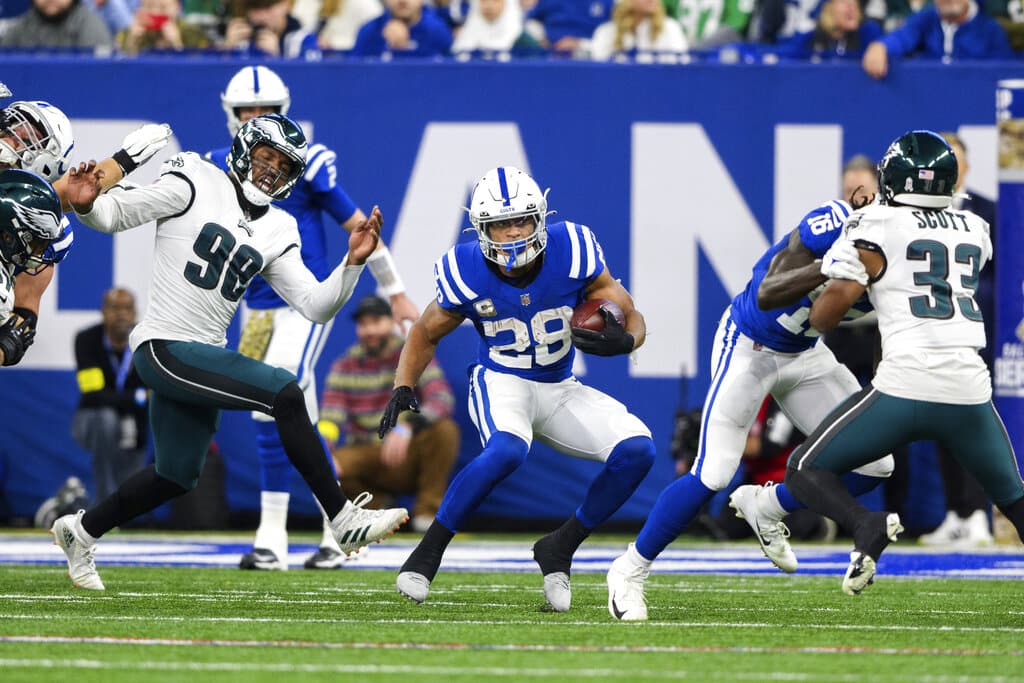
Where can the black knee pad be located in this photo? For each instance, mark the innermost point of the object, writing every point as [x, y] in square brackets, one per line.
[289, 402]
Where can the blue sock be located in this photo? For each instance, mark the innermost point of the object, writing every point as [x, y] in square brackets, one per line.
[856, 484]
[677, 505]
[501, 456]
[786, 499]
[627, 464]
[274, 464]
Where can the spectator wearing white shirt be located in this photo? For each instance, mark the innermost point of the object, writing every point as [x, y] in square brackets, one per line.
[638, 29]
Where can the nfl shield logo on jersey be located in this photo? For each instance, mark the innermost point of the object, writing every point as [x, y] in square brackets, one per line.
[524, 299]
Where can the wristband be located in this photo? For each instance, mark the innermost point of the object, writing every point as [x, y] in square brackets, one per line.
[125, 161]
[382, 265]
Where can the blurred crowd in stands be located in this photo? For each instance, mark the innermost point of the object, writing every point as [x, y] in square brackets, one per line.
[874, 32]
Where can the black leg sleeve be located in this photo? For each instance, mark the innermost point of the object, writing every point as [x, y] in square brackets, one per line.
[1015, 513]
[143, 491]
[304, 448]
[824, 492]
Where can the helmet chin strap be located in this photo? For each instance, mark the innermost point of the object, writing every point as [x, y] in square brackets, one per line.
[255, 195]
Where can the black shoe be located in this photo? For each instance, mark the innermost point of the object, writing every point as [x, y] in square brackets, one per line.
[550, 556]
[261, 558]
[325, 558]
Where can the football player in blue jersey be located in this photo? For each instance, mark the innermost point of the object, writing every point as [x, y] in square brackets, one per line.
[279, 335]
[764, 345]
[518, 284]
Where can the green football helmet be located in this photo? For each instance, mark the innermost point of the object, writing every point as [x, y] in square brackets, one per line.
[30, 218]
[918, 169]
[276, 131]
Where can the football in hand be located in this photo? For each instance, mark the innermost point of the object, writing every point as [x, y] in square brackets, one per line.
[587, 316]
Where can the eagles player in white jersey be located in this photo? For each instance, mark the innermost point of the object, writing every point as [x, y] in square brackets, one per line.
[280, 336]
[215, 232]
[30, 219]
[518, 284]
[923, 259]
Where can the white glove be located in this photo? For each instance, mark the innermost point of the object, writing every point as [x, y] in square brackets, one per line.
[842, 262]
[141, 144]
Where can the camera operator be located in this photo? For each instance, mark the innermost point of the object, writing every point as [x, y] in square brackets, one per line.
[265, 27]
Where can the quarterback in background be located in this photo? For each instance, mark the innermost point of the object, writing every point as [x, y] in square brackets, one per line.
[281, 336]
[519, 284]
[215, 231]
[922, 258]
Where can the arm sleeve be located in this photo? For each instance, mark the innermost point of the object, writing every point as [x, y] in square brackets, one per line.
[316, 301]
[124, 207]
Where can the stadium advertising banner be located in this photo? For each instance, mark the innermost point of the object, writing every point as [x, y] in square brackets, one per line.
[685, 175]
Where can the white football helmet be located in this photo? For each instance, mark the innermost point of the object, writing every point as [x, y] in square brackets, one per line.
[45, 138]
[253, 86]
[506, 193]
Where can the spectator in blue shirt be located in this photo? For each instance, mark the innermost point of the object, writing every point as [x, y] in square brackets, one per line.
[948, 30]
[841, 32]
[407, 28]
[567, 25]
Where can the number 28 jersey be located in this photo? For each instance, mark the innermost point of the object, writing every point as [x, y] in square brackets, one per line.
[524, 330]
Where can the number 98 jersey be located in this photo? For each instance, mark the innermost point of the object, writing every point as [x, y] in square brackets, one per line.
[523, 327]
[206, 254]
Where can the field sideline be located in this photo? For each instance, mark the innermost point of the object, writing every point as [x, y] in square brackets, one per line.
[718, 613]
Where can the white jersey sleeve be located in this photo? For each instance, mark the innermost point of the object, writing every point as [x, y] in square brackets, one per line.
[126, 206]
[316, 301]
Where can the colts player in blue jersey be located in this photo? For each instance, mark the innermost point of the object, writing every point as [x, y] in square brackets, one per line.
[279, 335]
[518, 285]
[764, 345]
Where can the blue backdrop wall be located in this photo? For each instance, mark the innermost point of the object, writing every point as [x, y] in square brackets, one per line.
[685, 174]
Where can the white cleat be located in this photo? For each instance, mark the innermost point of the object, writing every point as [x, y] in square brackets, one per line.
[861, 572]
[557, 591]
[414, 586]
[81, 566]
[771, 534]
[626, 580]
[958, 531]
[355, 527]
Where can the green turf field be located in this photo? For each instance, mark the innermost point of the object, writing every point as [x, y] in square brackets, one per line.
[174, 624]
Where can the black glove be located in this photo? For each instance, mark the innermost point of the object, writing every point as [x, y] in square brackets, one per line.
[402, 398]
[17, 334]
[614, 340]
